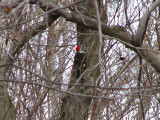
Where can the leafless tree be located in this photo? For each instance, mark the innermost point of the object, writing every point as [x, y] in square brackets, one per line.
[120, 79]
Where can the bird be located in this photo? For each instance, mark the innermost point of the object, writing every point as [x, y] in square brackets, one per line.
[79, 61]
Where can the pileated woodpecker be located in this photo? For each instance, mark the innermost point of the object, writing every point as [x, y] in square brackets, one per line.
[79, 61]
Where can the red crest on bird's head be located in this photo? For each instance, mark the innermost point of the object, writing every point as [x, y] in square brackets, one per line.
[77, 48]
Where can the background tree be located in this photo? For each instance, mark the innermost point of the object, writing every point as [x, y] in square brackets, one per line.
[121, 41]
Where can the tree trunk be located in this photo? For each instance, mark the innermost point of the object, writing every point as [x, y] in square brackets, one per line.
[6, 105]
[77, 107]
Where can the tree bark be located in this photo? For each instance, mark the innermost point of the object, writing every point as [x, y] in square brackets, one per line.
[6, 105]
[76, 107]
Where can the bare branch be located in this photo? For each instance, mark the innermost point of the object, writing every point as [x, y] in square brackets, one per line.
[148, 55]
[112, 31]
[138, 39]
[100, 36]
